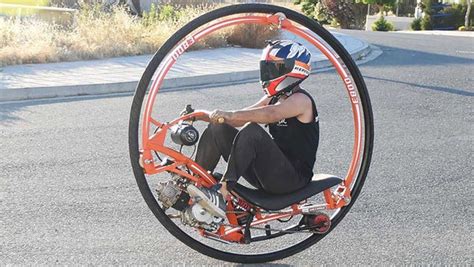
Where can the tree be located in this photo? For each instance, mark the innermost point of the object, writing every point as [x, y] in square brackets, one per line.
[347, 13]
[307, 6]
[379, 3]
[468, 13]
[341, 11]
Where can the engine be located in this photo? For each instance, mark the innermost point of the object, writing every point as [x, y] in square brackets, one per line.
[196, 216]
[171, 195]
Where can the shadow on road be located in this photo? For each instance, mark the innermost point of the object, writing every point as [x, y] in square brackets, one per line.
[411, 57]
[428, 87]
[8, 110]
[400, 57]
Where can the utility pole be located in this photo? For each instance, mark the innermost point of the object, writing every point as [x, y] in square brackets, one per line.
[367, 18]
[398, 4]
[468, 12]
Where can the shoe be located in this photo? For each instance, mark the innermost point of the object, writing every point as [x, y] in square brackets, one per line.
[242, 216]
[209, 199]
[217, 176]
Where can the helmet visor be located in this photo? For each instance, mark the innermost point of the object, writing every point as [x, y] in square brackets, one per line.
[270, 70]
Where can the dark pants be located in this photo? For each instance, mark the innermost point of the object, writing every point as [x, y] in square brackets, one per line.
[250, 153]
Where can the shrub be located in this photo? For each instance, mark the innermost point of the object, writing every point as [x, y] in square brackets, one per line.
[455, 16]
[307, 6]
[150, 17]
[416, 25]
[322, 14]
[251, 35]
[382, 25]
[349, 14]
[167, 13]
[381, 5]
[463, 28]
[315, 9]
[426, 21]
[334, 23]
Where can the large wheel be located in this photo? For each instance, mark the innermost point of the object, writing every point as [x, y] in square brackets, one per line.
[357, 95]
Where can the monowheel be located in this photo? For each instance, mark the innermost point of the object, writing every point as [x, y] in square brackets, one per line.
[254, 231]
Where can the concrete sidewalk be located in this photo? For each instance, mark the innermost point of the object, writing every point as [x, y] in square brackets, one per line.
[193, 69]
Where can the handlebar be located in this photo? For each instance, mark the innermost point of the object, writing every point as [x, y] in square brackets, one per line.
[189, 116]
[189, 113]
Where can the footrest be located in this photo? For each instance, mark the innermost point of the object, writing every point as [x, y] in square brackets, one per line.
[260, 198]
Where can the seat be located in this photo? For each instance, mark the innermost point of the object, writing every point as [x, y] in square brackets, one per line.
[267, 201]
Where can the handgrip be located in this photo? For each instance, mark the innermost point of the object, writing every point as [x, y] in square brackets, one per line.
[187, 110]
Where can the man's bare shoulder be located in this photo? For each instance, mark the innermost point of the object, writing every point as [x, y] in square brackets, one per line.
[300, 98]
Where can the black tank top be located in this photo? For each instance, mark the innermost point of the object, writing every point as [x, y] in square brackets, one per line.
[297, 140]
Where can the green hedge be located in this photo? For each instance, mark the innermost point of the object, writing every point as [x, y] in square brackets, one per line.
[416, 24]
[382, 25]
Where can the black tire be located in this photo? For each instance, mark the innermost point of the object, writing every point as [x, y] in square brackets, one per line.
[140, 96]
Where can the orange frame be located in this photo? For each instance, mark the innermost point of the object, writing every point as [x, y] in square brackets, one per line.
[200, 176]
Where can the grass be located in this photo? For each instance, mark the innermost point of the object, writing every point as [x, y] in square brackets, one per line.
[96, 34]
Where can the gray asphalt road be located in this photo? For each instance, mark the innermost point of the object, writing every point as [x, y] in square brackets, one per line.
[67, 194]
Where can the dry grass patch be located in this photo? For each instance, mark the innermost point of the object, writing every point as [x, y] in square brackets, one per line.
[94, 35]
[251, 35]
[27, 41]
[97, 34]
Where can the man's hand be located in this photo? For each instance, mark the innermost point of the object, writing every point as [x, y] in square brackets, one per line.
[203, 117]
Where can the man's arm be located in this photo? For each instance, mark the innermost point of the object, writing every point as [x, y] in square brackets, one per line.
[261, 103]
[293, 106]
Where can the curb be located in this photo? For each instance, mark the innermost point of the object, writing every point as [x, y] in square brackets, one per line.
[454, 33]
[171, 84]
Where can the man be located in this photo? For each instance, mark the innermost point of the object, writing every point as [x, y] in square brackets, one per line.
[280, 163]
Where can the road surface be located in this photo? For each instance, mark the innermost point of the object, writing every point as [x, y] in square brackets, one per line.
[68, 196]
